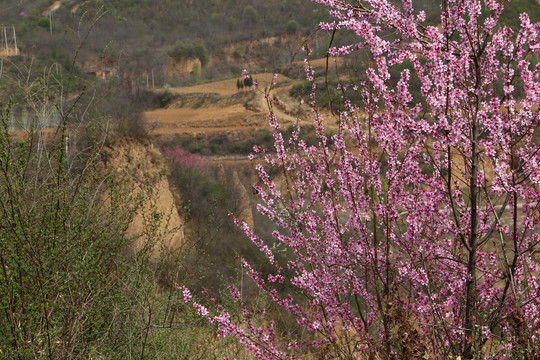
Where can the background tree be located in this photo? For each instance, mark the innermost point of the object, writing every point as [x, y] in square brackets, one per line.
[74, 281]
[193, 49]
[413, 233]
[239, 84]
[248, 81]
[292, 26]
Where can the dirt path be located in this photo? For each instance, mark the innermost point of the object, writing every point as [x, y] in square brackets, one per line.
[228, 87]
[215, 109]
[228, 111]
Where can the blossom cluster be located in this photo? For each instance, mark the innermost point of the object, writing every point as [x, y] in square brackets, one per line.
[183, 158]
[421, 215]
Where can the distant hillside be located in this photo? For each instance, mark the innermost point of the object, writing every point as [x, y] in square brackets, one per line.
[136, 38]
[143, 33]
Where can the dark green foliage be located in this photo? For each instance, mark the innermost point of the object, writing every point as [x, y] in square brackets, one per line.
[301, 89]
[224, 145]
[248, 81]
[292, 26]
[239, 84]
[331, 96]
[70, 77]
[193, 49]
[509, 17]
[219, 242]
[415, 83]
[44, 22]
[210, 199]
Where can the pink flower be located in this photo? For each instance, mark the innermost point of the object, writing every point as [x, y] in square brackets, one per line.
[423, 201]
[201, 310]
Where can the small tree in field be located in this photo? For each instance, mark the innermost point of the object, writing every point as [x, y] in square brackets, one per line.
[413, 234]
[248, 81]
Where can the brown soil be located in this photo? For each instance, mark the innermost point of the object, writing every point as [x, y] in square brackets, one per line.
[182, 67]
[219, 107]
[227, 111]
[141, 166]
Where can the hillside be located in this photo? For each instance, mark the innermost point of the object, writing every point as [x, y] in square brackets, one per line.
[141, 39]
[130, 143]
[137, 38]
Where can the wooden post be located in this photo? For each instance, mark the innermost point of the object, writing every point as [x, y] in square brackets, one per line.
[5, 37]
[15, 39]
[153, 84]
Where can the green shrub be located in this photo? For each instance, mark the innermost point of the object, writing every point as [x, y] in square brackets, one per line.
[248, 82]
[301, 89]
[194, 49]
[68, 283]
[44, 22]
[292, 26]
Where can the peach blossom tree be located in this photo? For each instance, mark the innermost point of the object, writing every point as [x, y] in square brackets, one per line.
[412, 232]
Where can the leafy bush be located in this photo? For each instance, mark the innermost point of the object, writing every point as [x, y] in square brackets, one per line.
[301, 89]
[248, 82]
[292, 26]
[331, 96]
[194, 49]
[72, 282]
[44, 22]
[66, 271]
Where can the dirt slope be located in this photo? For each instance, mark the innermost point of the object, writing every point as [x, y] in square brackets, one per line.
[143, 168]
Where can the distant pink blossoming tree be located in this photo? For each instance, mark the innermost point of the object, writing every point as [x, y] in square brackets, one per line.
[183, 158]
[413, 234]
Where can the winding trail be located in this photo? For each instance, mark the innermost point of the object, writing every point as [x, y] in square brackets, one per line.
[219, 108]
